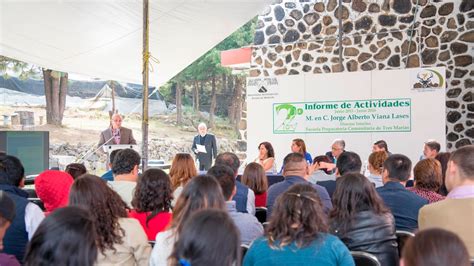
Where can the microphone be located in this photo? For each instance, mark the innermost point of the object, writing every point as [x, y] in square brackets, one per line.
[81, 160]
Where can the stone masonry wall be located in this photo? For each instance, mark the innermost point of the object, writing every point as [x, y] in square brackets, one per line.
[302, 36]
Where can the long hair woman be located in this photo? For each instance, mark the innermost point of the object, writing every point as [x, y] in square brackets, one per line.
[202, 192]
[266, 156]
[376, 160]
[360, 219]
[298, 234]
[66, 237]
[209, 238]
[121, 240]
[152, 202]
[298, 145]
[254, 177]
[181, 171]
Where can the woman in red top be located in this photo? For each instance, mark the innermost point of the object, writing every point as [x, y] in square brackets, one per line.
[152, 202]
[254, 177]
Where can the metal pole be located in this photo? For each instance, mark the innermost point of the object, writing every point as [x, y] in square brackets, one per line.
[145, 87]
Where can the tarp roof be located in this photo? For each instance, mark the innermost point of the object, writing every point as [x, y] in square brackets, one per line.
[104, 38]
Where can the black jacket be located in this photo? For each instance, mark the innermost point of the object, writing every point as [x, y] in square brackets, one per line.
[371, 233]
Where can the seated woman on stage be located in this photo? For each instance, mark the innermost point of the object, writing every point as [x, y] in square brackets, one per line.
[266, 156]
[254, 177]
[297, 234]
[360, 219]
[152, 202]
[120, 240]
[428, 180]
[181, 171]
[298, 145]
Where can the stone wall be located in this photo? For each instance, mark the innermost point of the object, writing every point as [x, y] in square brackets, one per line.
[303, 36]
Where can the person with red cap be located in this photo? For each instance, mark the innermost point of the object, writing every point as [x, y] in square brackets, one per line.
[52, 187]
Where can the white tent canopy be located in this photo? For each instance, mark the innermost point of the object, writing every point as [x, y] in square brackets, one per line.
[104, 38]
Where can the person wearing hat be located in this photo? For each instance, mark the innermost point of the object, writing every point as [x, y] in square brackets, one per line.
[7, 214]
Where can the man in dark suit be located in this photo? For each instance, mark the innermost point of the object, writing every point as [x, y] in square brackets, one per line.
[403, 203]
[116, 134]
[209, 143]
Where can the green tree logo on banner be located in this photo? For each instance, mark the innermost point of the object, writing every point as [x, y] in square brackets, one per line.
[285, 117]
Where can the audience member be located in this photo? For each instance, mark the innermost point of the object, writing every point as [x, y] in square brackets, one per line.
[360, 219]
[381, 145]
[181, 171]
[120, 240]
[404, 204]
[318, 171]
[254, 177]
[248, 225]
[53, 187]
[152, 202]
[266, 156]
[297, 233]
[431, 149]
[375, 166]
[428, 180]
[66, 237]
[7, 214]
[245, 197]
[296, 169]
[75, 169]
[298, 146]
[209, 238]
[435, 247]
[202, 192]
[28, 215]
[109, 175]
[348, 162]
[125, 170]
[443, 158]
[456, 212]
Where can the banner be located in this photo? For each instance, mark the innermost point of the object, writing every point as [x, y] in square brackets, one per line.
[372, 115]
[403, 107]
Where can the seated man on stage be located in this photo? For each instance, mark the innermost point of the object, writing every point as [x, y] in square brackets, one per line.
[116, 134]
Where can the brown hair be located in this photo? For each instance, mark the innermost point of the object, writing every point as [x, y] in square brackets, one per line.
[153, 193]
[376, 159]
[443, 158]
[427, 174]
[300, 143]
[463, 159]
[105, 206]
[254, 177]
[201, 192]
[354, 193]
[182, 170]
[297, 217]
[75, 169]
[269, 147]
[435, 247]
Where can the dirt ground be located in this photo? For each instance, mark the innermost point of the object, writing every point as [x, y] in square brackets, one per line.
[84, 127]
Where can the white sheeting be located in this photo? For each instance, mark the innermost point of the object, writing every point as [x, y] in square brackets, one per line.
[104, 38]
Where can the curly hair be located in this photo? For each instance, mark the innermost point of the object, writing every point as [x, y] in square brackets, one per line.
[125, 161]
[376, 160]
[354, 193]
[105, 205]
[153, 193]
[182, 170]
[297, 217]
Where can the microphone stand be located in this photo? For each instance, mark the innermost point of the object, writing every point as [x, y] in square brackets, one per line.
[81, 160]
